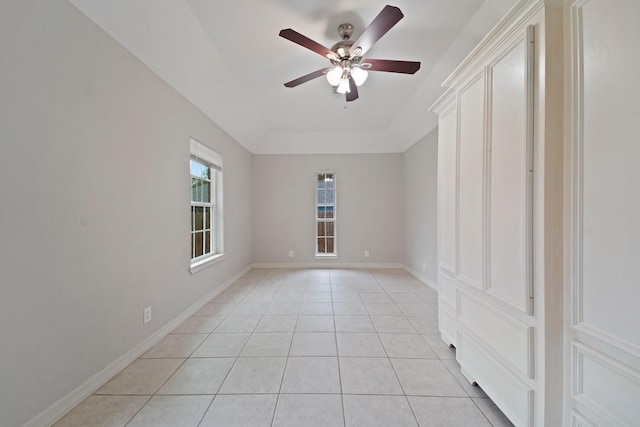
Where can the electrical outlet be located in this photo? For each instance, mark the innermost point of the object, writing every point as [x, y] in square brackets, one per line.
[366, 254]
[290, 254]
[146, 315]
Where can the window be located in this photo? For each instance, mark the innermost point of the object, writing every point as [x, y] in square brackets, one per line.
[206, 205]
[325, 214]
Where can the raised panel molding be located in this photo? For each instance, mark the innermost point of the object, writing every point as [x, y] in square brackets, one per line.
[448, 325]
[509, 173]
[607, 386]
[470, 182]
[509, 339]
[578, 420]
[577, 188]
[514, 397]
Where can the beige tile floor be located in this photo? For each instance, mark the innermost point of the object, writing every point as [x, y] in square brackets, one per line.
[299, 348]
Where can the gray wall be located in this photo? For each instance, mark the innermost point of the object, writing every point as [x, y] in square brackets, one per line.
[369, 207]
[94, 195]
[420, 164]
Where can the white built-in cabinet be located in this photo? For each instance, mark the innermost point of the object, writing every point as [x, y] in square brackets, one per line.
[539, 213]
[485, 213]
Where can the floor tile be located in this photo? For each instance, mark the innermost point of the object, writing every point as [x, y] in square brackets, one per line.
[377, 411]
[288, 297]
[353, 324]
[315, 323]
[392, 324]
[309, 410]
[318, 287]
[283, 308]
[313, 344]
[311, 375]
[229, 296]
[277, 323]
[442, 350]
[447, 412]
[216, 309]
[257, 296]
[363, 344]
[492, 412]
[424, 325]
[383, 309]
[376, 298]
[175, 345]
[349, 308]
[423, 377]
[255, 375]
[103, 411]
[406, 298]
[346, 297]
[244, 410]
[368, 376]
[142, 376]
[369, 287]
[238, 324]
[316, 308]
[343, 287]
[407, 345]
[249, 309]
[268, 344]
[416, 309]
[454, 368]
[316, 297]
[171, 411]
[198, 376]
[198, 324]
[222, 345]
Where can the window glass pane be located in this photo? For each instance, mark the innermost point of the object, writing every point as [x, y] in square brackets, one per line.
[321, 212]
[330, 246]
[194, 168]
[329, 229]
[321, 248]
[205, 171]
[199, 218]
[193, 248]
[206, 192]
[207, 215]
[207, 242]
[194, 189]
[321, 197]
[193, 217]
[330, 196]
[321, 229]
[329, 212]
[198, 244]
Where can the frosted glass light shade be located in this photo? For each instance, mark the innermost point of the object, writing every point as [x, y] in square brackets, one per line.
[334, 76]
[343, 87]
[359, 75]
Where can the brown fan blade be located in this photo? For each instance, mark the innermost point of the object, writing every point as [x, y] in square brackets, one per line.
[382, 23]
[390, 66]
[306, 78]
[352, 95]
[305, 41]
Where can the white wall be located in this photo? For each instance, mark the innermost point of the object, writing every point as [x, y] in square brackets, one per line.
[369, 207]
[420, 164]
[94, 194]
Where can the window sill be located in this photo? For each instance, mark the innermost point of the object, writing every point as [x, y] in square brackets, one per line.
[326, 256]
[207, 262]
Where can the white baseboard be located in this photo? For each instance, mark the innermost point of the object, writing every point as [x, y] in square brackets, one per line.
[324, 264]
[59, 409]
[421, 277]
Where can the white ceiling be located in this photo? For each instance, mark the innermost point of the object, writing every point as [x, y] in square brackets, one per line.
[227, 59]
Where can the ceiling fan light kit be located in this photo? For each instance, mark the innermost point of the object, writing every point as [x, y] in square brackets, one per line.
[349, 69]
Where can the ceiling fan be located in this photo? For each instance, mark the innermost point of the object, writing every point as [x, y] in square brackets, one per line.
[349, 69]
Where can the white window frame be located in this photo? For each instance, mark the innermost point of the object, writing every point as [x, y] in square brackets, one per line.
[204, 154]
[334, 254]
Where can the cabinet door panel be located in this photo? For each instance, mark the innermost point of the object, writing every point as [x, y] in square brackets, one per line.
[471, 182]
[509, 193]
